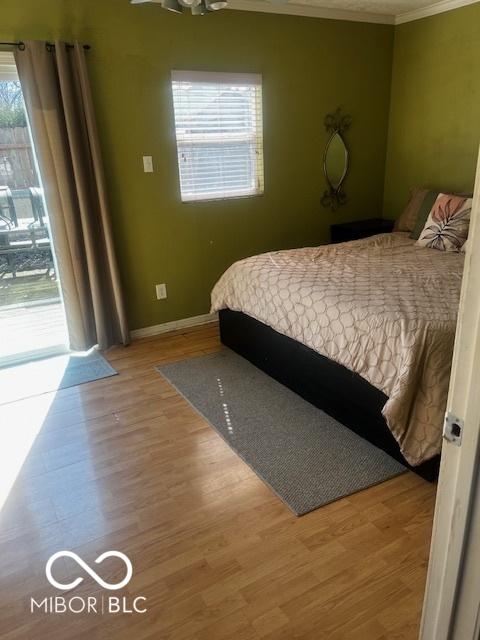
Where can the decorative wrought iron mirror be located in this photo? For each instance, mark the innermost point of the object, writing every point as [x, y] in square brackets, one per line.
[335, 159]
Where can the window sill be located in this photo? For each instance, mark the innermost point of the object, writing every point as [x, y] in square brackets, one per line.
[223, 198]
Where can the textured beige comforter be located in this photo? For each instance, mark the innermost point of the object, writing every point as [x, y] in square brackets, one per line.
[382, 307]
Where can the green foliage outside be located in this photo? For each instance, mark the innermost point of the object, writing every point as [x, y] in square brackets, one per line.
[12, 111]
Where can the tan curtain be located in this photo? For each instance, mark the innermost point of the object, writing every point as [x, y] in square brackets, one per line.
[59, 105]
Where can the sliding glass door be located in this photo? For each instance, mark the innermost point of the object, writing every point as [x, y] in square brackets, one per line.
[32, 319]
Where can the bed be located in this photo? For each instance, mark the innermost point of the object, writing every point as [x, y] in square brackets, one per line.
[363, 330]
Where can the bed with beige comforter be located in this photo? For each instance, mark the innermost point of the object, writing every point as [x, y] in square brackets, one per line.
[382, 307]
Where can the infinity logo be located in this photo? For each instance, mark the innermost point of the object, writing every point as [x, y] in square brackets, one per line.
[85, 567]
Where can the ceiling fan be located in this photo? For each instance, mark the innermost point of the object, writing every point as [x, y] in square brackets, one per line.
[197, 7]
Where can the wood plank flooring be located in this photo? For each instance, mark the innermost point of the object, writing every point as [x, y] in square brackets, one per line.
[126, 464]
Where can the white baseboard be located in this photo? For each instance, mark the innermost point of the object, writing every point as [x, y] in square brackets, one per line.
[156, 329]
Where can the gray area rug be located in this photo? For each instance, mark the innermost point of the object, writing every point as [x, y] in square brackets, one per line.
[306, 457]
[51, 374]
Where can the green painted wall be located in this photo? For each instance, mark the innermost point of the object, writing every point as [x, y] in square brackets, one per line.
[434, 130]
[309, 67]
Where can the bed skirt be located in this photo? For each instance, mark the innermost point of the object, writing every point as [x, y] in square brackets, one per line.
[341, 393]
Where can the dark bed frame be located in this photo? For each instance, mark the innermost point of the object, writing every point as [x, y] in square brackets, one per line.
[329, 386]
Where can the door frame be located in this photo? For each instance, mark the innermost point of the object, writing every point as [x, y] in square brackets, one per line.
[451, 608]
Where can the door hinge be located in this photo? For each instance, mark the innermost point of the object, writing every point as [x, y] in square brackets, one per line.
[453, 429]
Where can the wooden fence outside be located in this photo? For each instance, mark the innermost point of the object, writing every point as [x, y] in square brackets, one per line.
[17, 163]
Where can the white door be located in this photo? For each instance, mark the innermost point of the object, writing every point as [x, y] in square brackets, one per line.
[452, 597]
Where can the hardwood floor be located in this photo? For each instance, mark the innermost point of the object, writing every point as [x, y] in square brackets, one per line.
[126, 464]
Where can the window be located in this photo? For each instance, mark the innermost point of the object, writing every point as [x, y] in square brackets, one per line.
[218, 124]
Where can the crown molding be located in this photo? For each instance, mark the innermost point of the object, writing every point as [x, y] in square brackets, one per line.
[432, 10]
[308, 11]
[313, 11]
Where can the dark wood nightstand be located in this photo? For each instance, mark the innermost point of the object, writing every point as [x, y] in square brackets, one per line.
[359, 229]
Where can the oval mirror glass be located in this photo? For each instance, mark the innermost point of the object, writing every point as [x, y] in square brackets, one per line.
[336, 161]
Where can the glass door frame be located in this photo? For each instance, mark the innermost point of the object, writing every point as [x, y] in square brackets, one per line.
[8, 72]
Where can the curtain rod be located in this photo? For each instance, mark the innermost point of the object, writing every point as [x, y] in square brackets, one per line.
[21, 45]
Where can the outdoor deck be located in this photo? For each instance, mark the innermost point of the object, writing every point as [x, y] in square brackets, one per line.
[31, 314]
[29, 328]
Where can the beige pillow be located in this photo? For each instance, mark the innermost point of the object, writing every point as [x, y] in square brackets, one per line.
[408, 218]
[446, 228]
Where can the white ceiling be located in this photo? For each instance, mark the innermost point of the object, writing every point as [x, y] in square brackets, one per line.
[382, 11]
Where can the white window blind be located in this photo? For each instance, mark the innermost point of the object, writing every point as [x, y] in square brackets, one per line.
[218, 125]
[8, 69]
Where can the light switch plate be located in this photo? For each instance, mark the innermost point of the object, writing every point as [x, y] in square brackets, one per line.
[148, 164]
[161, 291]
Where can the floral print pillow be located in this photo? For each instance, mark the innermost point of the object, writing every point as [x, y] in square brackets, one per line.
[447, 225]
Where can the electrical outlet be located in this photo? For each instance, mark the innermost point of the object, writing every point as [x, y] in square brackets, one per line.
[161, 291]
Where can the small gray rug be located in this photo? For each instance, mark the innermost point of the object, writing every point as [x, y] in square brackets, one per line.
[306, 457]
[50, 374]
